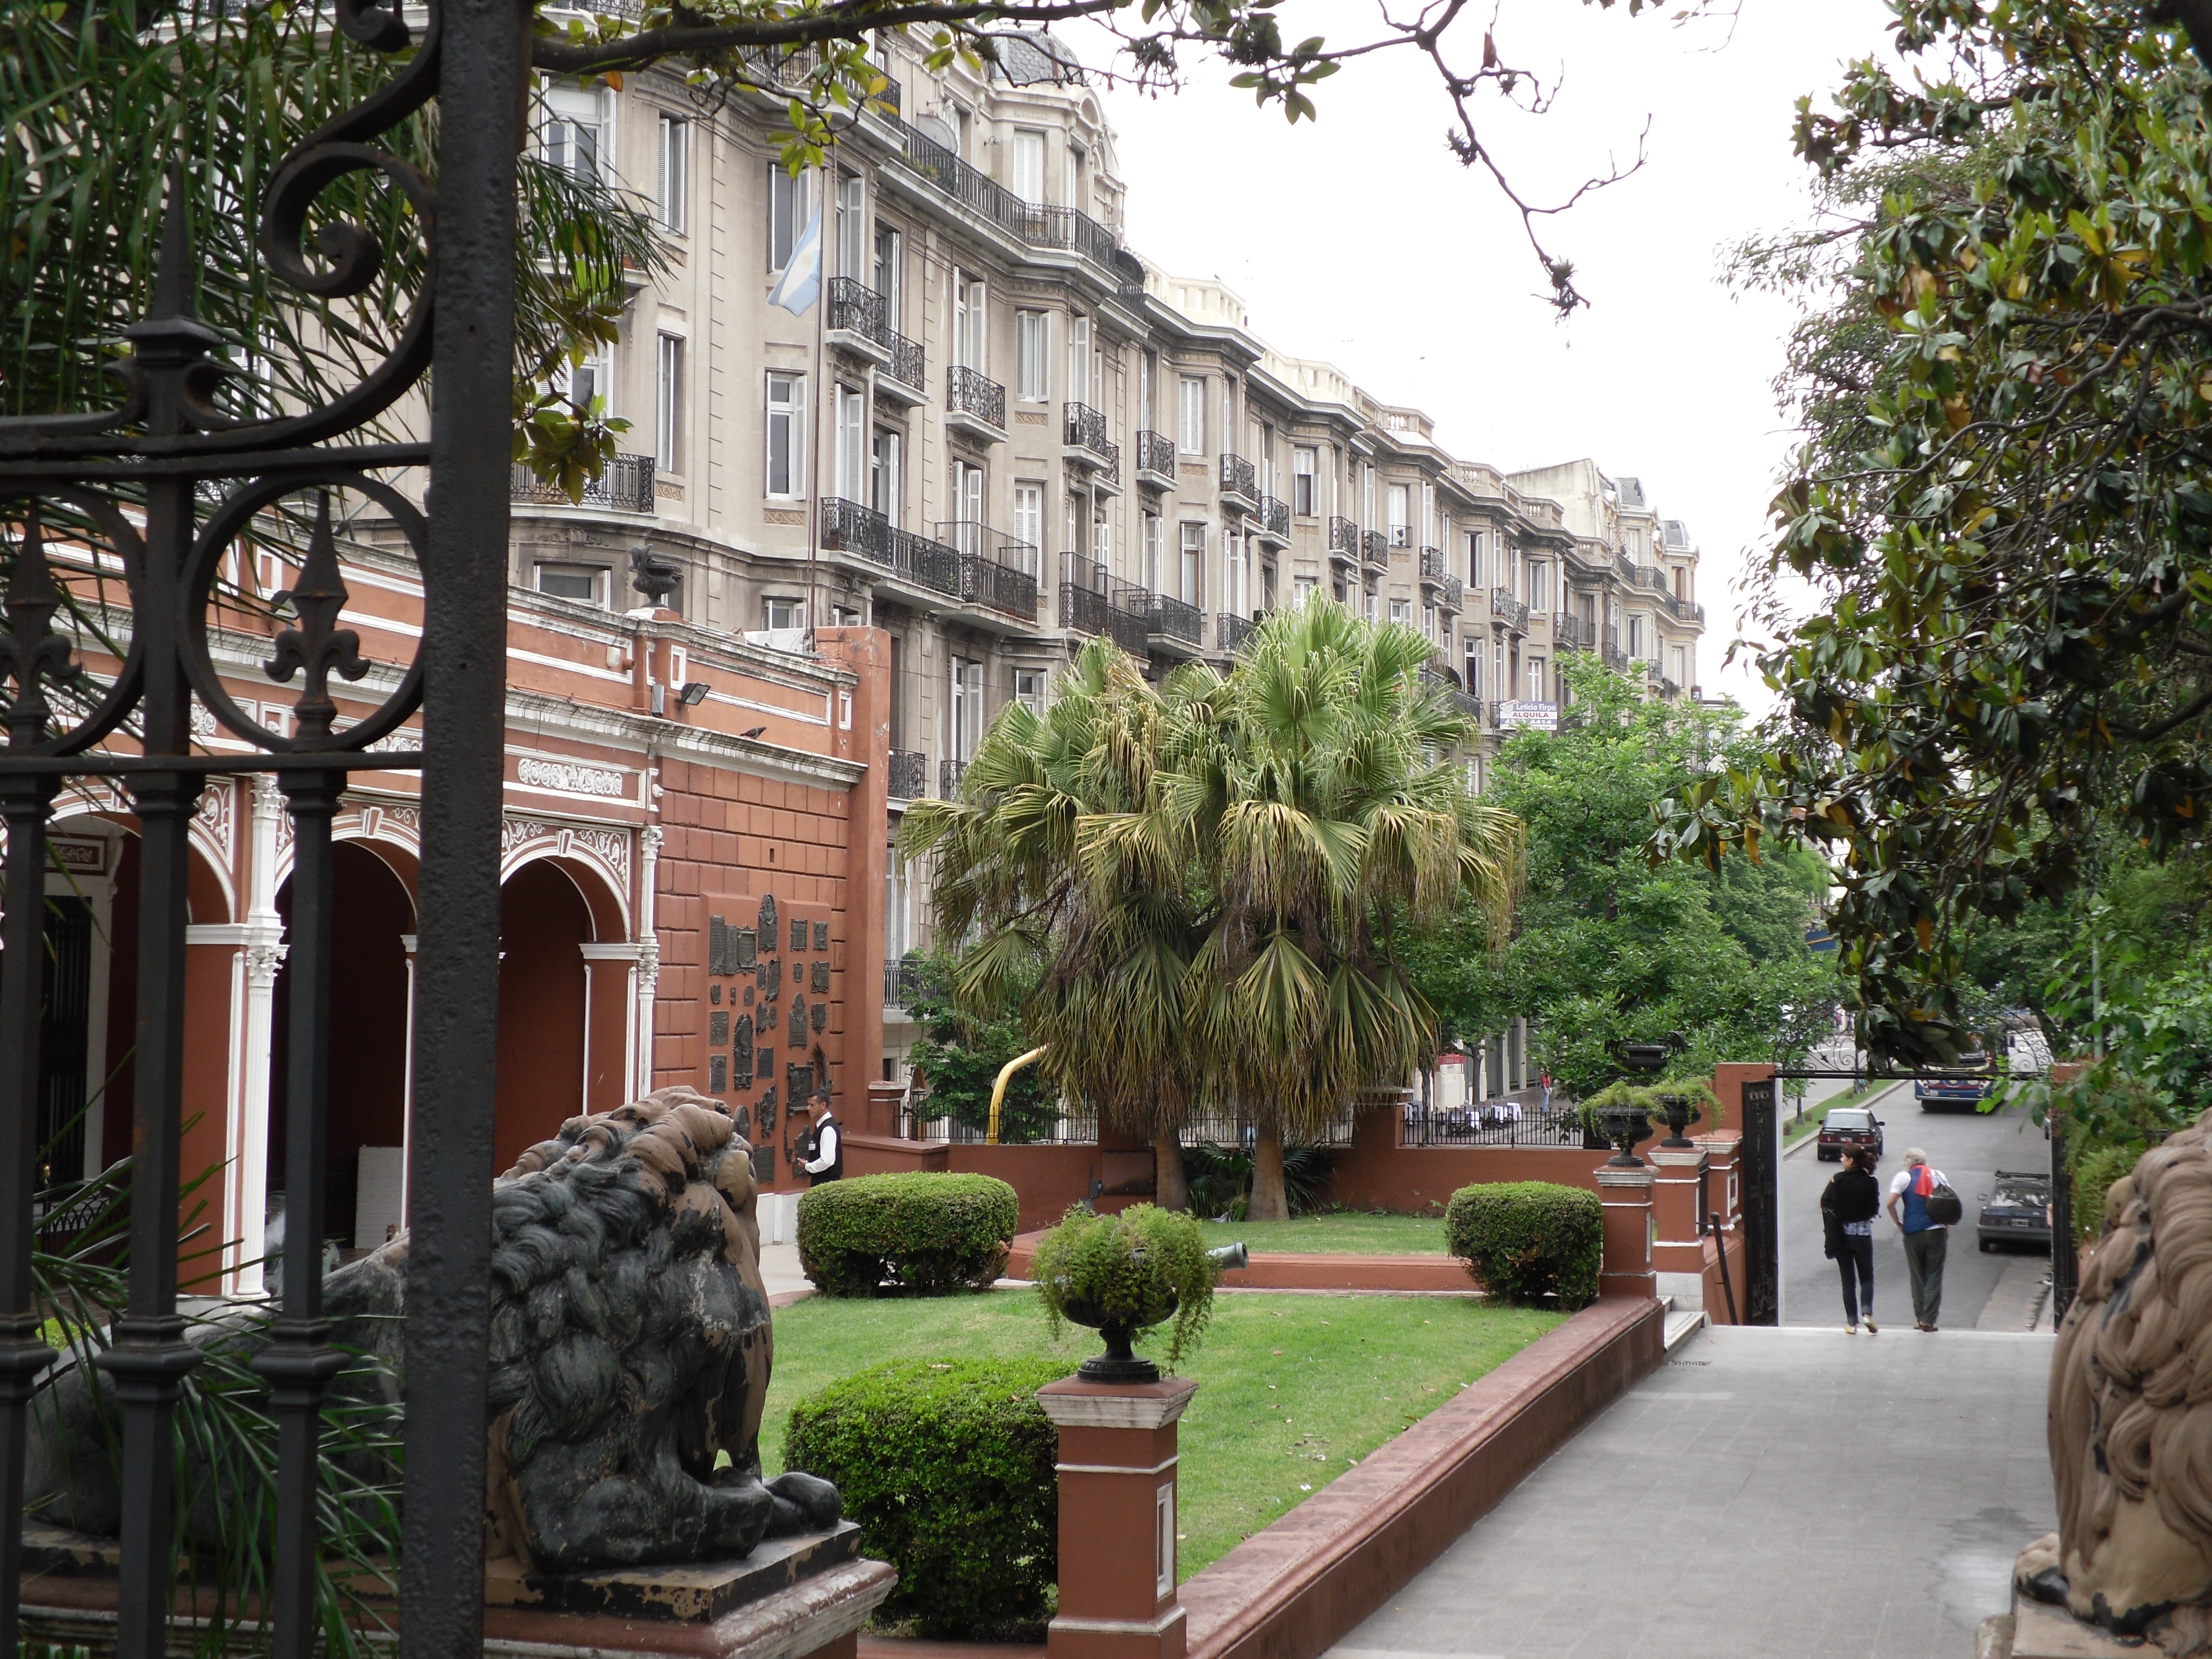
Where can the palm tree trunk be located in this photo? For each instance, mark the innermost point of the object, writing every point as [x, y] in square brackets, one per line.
[1171, 1184]
[1269, 1202]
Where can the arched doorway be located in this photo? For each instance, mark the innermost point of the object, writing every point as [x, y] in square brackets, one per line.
[544, 925]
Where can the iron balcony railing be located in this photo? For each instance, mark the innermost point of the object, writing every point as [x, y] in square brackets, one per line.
[1239, 477]
[906, 774]
[856, 308]
[1344, 538]
[1155, 454]
[976, 540]
[901, 984]
[1273, 518]
[1073, 230]
[626, 485]
[848, 527]
[926, 562]
[1087, 429]
[970, 391]
[1231, 630]
[1376, 546]
[1668, 689]
[1639, 575]
[908, 366]
[1093, 600]
[1683, 610]
[1569, 631]
[1029, 222]
[1173, 619]
[1451, 596]
[949, 774]
[1504, 608]
[1432, 564]
[1614, 657]
[986, 582]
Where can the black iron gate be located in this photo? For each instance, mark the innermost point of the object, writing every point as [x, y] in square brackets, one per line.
[1762, 1209]
[2065, 1260]
[164, 484]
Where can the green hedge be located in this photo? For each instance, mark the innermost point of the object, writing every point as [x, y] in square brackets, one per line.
[1527, 1240]
[929, 1234]
[947, 1466]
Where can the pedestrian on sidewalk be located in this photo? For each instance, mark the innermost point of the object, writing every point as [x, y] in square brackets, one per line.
[1847, 1208]
[1925, 1238]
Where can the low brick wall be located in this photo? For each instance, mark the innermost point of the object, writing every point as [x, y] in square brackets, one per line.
[1280, 1270]
[1300, 1585]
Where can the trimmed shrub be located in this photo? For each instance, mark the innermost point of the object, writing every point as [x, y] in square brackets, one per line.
[928, 1234]
[1527, 1240]
[947, 1465]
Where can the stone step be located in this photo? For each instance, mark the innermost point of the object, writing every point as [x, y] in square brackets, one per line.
[1681, 1326]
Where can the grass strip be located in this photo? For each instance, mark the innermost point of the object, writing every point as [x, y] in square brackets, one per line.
[1346, 1232]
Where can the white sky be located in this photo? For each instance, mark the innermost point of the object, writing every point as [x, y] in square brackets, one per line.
[1359, 239]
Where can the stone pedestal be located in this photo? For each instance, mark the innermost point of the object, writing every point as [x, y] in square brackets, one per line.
[2036, 1630]
[1678, 1248]
[1627, 1195]
[1117, 1518]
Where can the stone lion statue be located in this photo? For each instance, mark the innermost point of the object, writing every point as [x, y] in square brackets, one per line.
[2131, 1413]
[630, 1349]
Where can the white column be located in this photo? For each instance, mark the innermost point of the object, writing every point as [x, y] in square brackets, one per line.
[624, 957]
[264, 938]
[648, 953]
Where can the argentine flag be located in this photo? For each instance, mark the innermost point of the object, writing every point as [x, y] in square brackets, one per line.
[802, 273]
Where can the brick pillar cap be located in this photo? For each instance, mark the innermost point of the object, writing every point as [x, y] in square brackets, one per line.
[1073, 1403]
[1615, 1175]
[1721, 1140]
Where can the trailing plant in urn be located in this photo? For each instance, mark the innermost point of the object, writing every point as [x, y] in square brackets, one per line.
[1678, 1103]
[1126, 1274]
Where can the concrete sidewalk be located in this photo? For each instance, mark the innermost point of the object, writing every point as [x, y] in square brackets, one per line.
[1768, 1494]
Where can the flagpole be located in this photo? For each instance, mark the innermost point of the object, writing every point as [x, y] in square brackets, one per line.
[823, 392]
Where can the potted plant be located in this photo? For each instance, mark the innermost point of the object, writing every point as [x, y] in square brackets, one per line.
[1621, 1112]
[1125, 1275]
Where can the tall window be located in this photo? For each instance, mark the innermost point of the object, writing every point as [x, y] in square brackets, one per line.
[675, 183]
[1374, 612]
[1029, 165]
[576, 131]
[1072, 186]
[1539, 586]
[852, 225]
[890, 271]
[1078, 360]
[591, 381]
[1401, 611]
[1678, 669]
[1190, 433]
[1474, 558]
[1072, 525]
[885, 459]
[967, 708]
[968, 504]
[1236, 597]
[1029, 513]
[851, 417]
[1303, 500]
[1032, 332]
[971, 320]
[668, 403]
[1400, 508]
[1681, 582]
[1536, 679]
[1152, 550]
[786, 435]
[1367, 495]
[1029, 689]
[1148, 368]
[787, 199]
[1635, 643]
[1474, 669]
[1194, 559]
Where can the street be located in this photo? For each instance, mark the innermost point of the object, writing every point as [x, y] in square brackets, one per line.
[1968, 1147]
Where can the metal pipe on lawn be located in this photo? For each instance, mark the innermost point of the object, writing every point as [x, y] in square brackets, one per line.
[998, 1089]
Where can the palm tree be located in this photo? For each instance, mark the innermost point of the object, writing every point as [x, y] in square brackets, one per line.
[1054, 862]
[1315, 789]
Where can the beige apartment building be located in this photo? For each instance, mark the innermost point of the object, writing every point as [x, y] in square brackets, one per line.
[1002, 432]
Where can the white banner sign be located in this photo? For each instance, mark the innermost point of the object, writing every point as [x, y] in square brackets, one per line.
[1529, 716]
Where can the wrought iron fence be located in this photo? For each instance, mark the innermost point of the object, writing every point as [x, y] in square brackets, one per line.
[906, 774]
[1087, 429]
[1273, 518]
[1344, 538]
[1569, 631]
[1451, 596]
[901, 980]
[1504, 608]
[926, 562]
[1231, 631]
[1093, 600]
[1683, 610]
[1489, 1123]
[856, 308]
[986, 579]
[169, 485]
[1032, 223]
[1239, 477]
[1155, 454]
[1215, 1128]
[908, 365]
[971, 392]
[1175, 620]
[848, 527]
[1375, 547]
[949, 774]
[1433, 564]
[625, 485]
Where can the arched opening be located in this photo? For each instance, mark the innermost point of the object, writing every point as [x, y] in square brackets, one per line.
[544, 925]
[371, 917]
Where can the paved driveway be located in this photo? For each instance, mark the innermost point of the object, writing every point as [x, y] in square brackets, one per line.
[1768, 1492]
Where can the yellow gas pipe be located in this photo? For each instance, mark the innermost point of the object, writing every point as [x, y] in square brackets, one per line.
[998, 1089]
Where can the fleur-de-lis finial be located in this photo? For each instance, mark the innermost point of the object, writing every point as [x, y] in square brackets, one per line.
[31, 653]
[317, 645]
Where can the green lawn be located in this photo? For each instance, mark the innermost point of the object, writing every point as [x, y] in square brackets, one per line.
[1350, 1233]
[1294, 1389]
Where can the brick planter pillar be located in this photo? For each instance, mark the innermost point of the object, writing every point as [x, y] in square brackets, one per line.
[1117, 1518]
[1678, 1250]
[886, 1101]
[1724, 1198]
[1626, 1196]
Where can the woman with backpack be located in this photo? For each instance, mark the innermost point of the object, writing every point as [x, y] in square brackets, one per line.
[1848, 1209]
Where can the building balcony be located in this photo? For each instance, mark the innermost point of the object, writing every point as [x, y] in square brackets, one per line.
[1086, 444]
[1343, 541]
[905, 378]
[906, 774]
[902, 983]
[1683, 610]
[949, 774]
[1375, 548]
[858, 321]
[925, 563]
[1434, 569]
[1614, 657]
[848, 527]
[1504, 608]
[1570, 632]
[1271, 521]
[1240, 479]
[1093, 600]
[1068, 230]
[1156, 460]
[1450, 595]
[994, 570]
[975, 404]
[1175, 626]
[1668, 689]
[1231, 631]
[626, 486]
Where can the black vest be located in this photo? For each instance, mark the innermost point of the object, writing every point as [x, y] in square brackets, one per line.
[836, 1170]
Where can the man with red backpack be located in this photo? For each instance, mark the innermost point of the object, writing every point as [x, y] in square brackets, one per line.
[1922, 1205]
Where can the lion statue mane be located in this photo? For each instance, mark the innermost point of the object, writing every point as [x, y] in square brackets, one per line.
[2131, 1413]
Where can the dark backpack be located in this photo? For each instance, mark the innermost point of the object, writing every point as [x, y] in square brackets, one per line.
[1941, 1204]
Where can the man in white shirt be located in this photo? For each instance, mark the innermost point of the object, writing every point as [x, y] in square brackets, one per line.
[1925, 1238]
[828, 1163]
